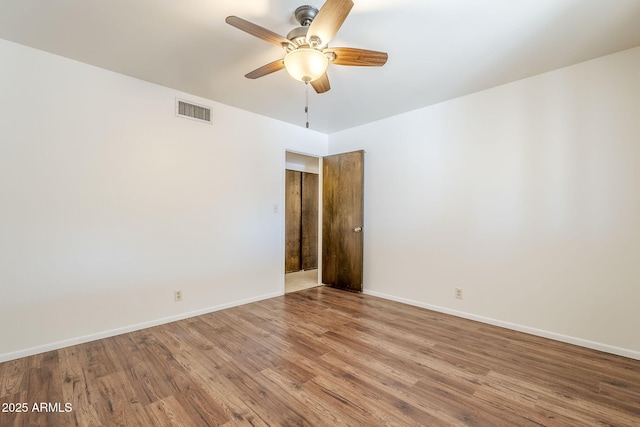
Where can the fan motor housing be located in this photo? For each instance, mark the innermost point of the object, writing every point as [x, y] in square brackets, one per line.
[298, 35]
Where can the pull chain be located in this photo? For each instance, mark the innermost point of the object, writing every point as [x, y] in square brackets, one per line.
[306, 103]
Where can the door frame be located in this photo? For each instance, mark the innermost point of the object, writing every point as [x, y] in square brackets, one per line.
[318, 157]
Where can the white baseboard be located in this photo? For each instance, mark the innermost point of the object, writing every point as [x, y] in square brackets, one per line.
[123, 330]
[513, 326]
[632, 354]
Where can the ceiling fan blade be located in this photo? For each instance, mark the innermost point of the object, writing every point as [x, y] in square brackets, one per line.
[258, 31]
[328, 21]
[321, 85]
[359, 57]
[269, 68]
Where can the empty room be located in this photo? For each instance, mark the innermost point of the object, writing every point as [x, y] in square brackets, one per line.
[453, 186]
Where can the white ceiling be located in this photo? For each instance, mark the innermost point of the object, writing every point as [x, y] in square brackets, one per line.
[438, 49]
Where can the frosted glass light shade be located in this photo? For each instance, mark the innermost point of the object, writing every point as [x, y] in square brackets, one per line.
[306, 64]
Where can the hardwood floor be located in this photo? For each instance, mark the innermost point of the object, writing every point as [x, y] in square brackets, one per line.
[323, 357]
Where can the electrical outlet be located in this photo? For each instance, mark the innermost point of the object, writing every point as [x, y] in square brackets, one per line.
[177, 295]
[458, 293]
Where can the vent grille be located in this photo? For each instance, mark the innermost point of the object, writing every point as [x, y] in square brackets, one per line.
[192, 111]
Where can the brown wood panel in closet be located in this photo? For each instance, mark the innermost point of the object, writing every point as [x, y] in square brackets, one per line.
[293, 217]
[301, 221]
[309, 225]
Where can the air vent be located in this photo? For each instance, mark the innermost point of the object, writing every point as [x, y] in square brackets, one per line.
[192, 111]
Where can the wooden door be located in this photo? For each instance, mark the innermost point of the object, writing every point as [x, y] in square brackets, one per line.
[309, 222]
[301, 221]
[292, 220]
[342, 220]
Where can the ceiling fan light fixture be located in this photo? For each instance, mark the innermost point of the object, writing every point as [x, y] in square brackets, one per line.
[307, 54]
[306, 64]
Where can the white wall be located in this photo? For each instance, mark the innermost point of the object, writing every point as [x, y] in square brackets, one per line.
[109, 203]
[525, 196]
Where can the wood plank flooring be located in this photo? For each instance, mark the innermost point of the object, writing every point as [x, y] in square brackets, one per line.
[323, 357]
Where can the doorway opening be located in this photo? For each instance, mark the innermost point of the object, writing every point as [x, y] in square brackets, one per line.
[302, 210]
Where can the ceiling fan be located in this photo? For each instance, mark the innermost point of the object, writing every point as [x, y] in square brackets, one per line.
[307, 53]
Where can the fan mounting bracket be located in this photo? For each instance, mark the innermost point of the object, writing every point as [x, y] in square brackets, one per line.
[305, 14]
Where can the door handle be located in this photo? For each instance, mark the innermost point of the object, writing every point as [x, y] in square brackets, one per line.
[357, 229]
